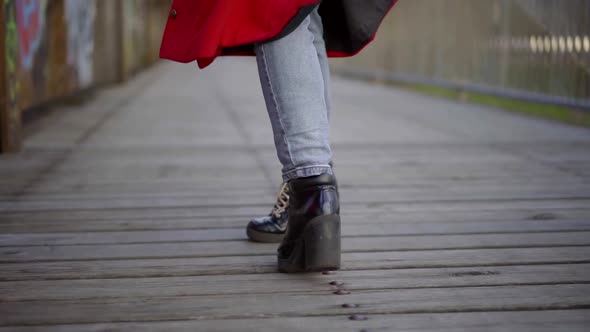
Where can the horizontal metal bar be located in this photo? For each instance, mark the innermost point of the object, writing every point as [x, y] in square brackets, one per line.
[580, 104]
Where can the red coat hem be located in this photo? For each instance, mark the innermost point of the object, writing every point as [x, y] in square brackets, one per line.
[181, 46]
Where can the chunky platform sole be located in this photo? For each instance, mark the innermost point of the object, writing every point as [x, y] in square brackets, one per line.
[318, 248]
[263, 237]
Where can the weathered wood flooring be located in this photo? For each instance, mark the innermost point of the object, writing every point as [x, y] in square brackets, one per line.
[128, 213]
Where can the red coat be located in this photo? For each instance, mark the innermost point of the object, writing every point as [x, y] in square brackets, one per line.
[204, 29]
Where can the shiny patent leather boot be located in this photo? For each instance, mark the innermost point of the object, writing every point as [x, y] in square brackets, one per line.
[271, 228]
[312, 241]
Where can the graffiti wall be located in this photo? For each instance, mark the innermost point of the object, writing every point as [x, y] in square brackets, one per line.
[80, 17]
[54, 48]
[30, 58]
[10, 117]
[30, 16]
[49, 49]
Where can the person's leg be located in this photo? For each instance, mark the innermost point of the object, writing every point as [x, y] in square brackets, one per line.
[295, 94]
[272, 227]
[295, 87]
[317, 29]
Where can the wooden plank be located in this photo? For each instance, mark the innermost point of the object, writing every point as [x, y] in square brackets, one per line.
[352, 153]
[127, 268]
[374, 195]
[279, 283]
[244, 248]
[140, 188]
[229, 180]
[405, 206]
[48, 190]
[4, 135]
[355, 227]
[556, 152]
[43, 239]
[90, 195]
[428, 210]
[10, 114]
[430, 172]
[458, 299]
[470, 150]
[402, 222]
[159, 202]
[352, 228]
[81, 190]
[179, 186]
[90, 192]
[145, 213]
[522, 321]
[350, 178]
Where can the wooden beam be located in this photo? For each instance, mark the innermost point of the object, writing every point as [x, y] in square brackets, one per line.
[121, 39]
[10, 117]
[3, 77]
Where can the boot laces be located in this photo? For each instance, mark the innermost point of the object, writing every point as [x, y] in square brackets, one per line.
[282, 202]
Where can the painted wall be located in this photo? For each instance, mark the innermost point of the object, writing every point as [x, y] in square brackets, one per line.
[80, 17]
[50, 50]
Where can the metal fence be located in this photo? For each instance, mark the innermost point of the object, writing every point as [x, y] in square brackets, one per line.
[528, 49]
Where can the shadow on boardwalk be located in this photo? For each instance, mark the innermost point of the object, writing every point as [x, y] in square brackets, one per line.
[128, 213]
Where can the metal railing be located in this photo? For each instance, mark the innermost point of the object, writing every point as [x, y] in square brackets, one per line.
[537, 50]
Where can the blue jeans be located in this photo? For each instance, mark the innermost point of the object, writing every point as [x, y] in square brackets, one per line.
[294, 74]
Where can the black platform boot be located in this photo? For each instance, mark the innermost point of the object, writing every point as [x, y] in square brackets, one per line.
[271, 228]
[312, 241]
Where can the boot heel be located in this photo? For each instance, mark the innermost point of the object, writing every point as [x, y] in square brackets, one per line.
[317, 250]
[321, 239]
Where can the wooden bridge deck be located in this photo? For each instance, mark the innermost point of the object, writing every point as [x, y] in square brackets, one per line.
[127, 214]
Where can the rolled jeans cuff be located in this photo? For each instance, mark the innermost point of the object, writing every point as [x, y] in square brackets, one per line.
[307, 171]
